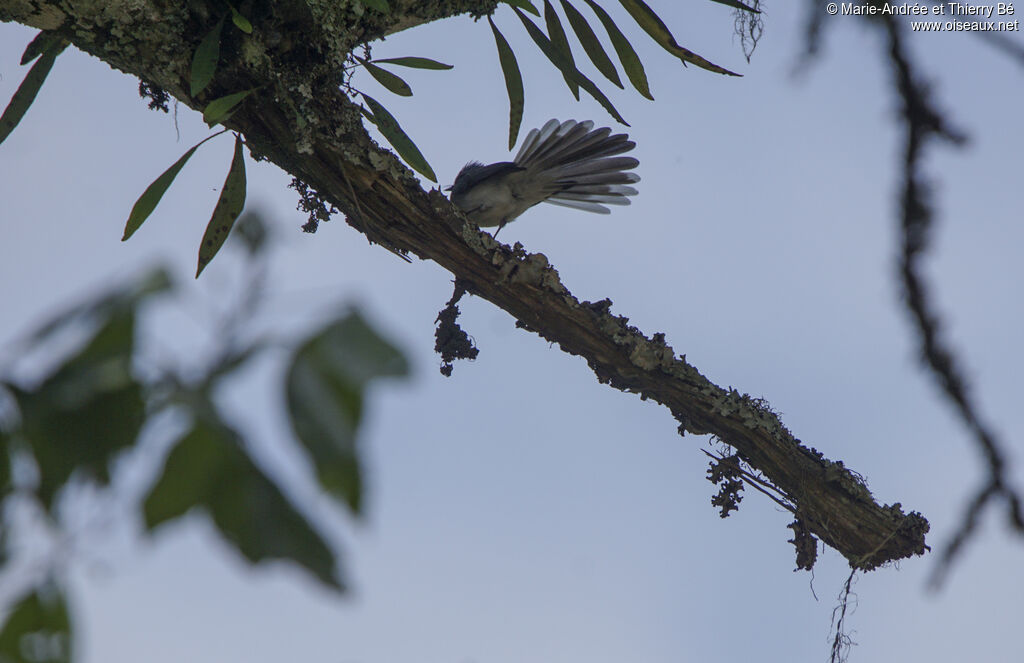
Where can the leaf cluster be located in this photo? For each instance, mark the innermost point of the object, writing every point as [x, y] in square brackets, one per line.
[71, 427]
[556, 47]
[553, 42]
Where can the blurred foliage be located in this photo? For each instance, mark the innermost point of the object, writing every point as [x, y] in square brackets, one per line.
[38, 628]
[209, 470]
[71, 426]
[326, 383]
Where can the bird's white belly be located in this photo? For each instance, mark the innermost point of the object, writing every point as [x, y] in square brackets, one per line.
[491, 204]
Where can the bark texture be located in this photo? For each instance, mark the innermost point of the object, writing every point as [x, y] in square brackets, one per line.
[300, 120]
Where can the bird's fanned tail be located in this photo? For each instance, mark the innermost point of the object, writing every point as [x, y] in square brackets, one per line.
[563, 163]
[580, 166]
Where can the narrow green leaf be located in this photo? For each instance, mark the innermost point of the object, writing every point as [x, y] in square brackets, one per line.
[399, 140]
[379, 5]
[227, 209]
[631, 63]
[513, 84]
[220, 109]
[737, 5]
[208, 469]
[553, 55]
[241, 22]
[204, 60]
[39, 43]
[29, 88]
[590, 43]
[387, 79]
[150, 198]
[326, 385]
[524, 4]
[38, 628]
[656, 28]
[415, 63]
[544, 44]
[556, 34]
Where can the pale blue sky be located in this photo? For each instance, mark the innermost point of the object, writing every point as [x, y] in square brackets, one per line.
[520, 511]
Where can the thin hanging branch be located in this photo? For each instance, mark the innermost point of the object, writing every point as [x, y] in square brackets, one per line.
[924, 125]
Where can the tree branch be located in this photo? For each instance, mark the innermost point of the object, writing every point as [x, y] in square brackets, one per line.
[300, 120]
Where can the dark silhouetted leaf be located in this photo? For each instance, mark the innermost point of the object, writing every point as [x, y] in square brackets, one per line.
[738, 5]
[524, 4]
[399, 140]
[42, 41]
[555, 57]
[37, 629]
[241, 22]
[204, 60]
[229, 206]
[556, 35]
[87, 410]
[656, 28]
[208, 469]
[379, 5]
[387, 79]
[220, 109]
[513, 83]
[590, 43]
[29, 88]
[150, 198]
[326, 382]
[627, 55]
[416, 63]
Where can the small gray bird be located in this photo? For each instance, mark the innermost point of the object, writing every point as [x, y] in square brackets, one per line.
[564, 163]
